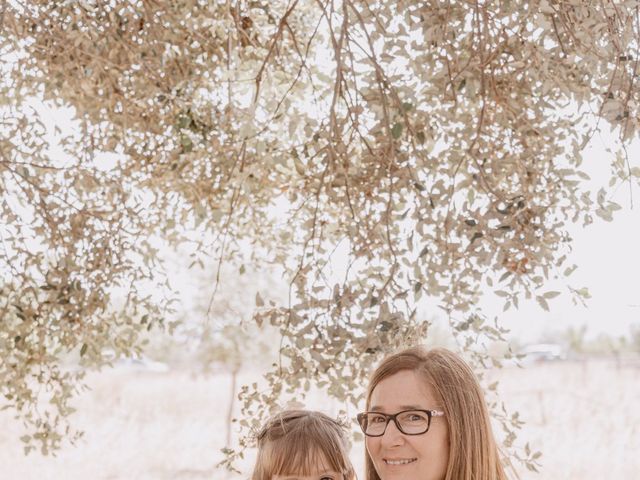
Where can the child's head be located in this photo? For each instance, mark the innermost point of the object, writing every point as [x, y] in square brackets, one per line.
[301, 443]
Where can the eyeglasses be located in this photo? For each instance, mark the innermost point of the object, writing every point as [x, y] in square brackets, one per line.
[409, 422]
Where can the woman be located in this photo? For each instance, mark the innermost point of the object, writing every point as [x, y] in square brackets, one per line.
[426, 419]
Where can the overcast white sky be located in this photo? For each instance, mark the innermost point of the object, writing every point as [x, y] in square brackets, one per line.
[608, 259]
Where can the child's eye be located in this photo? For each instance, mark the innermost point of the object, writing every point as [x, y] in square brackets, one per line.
[326, 478]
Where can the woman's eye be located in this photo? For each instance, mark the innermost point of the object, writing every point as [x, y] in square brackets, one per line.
[326, 478]
[378, 420]
[414, 418]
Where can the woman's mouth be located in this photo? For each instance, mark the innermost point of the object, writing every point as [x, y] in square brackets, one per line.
[399, 461]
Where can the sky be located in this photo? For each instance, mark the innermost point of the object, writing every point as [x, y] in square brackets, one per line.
[608, 259]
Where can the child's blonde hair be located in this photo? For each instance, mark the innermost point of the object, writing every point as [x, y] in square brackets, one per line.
[297, 442]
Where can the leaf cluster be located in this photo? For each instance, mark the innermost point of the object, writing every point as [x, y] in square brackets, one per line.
[440, 143]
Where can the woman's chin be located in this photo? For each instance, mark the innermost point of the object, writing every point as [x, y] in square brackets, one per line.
[405, 470]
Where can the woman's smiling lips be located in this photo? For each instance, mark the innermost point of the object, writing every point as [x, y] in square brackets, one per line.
[399, 461]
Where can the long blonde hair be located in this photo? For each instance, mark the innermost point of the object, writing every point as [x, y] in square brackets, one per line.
[296, 441]
[473, 453]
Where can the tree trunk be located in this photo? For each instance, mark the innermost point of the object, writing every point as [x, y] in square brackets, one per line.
[234, 380]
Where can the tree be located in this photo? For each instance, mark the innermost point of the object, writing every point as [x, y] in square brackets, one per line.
[439, 143]
[227, 340]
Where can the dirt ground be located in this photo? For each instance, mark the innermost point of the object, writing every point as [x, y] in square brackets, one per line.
[583, 416]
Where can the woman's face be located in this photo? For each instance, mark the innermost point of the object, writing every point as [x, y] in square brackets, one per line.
[397, 456]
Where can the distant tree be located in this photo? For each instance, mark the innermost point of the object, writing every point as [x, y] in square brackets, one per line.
[575, 338]
[219, 333]
[635, 338]
[438, 143]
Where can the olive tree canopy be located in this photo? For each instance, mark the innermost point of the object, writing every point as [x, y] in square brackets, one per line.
[438, 144]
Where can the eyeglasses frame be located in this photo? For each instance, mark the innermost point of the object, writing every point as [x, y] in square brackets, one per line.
[430, 414]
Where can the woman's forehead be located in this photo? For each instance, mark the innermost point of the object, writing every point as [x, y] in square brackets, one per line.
[403, 390]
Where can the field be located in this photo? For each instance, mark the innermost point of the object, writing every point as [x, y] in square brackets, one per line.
[583, 416]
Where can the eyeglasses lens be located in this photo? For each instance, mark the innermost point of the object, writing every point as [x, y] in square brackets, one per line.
[410, 422]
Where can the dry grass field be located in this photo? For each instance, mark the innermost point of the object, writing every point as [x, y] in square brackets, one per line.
[583, 416]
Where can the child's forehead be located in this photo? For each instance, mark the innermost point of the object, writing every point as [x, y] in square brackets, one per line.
[311, 476]
[314, 464]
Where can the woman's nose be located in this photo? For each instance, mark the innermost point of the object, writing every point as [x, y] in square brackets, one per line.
[392, 436]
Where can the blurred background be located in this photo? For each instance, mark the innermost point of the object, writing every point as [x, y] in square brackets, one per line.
[165, 420]
[168, 414]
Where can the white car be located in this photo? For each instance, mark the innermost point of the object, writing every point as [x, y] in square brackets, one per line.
[543, 352]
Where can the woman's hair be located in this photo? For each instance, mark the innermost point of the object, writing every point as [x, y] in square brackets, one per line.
[297, 441]
[473, 453]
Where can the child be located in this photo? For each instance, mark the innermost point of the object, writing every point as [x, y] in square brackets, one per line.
[302, 445]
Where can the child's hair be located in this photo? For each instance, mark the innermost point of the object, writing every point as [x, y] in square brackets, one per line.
[295, 442]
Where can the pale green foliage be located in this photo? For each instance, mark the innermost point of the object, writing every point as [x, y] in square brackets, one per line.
[217, 331]
[440, 142]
